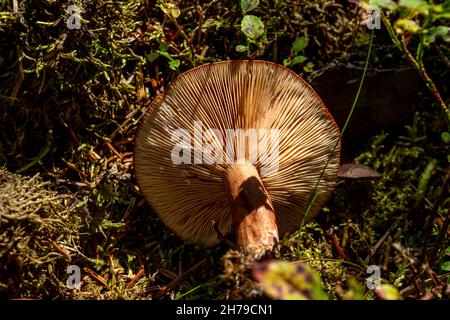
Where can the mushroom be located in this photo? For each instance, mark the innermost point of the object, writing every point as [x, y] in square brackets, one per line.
[237, 147]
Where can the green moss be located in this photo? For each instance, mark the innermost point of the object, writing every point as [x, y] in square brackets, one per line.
[33, 220]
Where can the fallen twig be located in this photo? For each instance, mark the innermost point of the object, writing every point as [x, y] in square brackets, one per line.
[180, 278]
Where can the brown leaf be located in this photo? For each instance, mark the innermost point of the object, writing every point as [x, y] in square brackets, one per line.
[357, 171]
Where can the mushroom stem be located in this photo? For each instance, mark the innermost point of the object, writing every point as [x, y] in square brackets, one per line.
[253, 214]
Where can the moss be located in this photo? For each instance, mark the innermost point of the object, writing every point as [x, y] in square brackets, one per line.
[39, 236]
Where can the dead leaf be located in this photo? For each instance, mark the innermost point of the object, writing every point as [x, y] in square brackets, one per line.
[282, 280]
[388, 292]
[357, 171]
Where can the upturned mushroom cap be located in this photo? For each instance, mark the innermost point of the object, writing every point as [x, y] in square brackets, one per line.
[235, 95]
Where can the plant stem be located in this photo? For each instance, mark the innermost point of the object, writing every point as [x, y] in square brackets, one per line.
[186, 38]
[347, 121]
[401, 44]
[428, 81]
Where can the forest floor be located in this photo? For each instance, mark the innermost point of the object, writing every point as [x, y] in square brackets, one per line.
[71, 100]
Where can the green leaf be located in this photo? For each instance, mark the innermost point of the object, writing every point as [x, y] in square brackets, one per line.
[437, 32]
[252, 27]
[153, 56]
[294, 61]
[288, 281]
[445, 266]
[163, 46]
[170, 9]
[299, 44]
[402, 25]
[388, 292]
[446, 138]
[309, 67]
[355, 290]
[165, 54]
[247, 5]
[174, 10]
[415, 5]
[384, 3]
[298, 59]
[241, 48]
[441, 15]
[174, 64]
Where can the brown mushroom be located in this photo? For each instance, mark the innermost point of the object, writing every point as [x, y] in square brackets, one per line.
[237, 146]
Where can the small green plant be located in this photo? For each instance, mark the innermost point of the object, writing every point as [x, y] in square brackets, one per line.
[253, 29]
[445, 264]
[296, 57]
[446, 138]
[162, 52]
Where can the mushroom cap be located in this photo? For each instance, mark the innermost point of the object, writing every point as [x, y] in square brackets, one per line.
[235, 95]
